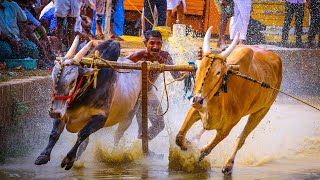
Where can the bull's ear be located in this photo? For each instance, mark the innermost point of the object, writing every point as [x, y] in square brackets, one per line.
[87, 71]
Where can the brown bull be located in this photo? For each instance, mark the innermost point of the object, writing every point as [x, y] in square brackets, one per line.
[222, 111]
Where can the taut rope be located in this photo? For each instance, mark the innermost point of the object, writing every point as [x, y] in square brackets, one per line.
[266, 85]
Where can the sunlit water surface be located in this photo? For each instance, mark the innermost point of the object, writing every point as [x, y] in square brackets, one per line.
[285, 145]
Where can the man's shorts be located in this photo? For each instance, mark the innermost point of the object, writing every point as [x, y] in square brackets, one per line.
[67, 8]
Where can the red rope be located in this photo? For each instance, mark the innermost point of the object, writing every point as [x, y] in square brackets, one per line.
[72, 96]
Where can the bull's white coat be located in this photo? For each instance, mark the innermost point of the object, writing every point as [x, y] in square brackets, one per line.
[127, 90]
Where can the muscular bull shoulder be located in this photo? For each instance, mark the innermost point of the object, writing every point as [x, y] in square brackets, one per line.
[240, 54]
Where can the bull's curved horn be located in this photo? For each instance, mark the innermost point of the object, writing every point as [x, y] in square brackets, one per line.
[206, 41]
[73, 47]
[235, 41]
[83, 52]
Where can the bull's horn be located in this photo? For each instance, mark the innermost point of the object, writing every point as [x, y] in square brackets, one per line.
[235, 41]
[206, 41]
[83, 52]
[73, 47]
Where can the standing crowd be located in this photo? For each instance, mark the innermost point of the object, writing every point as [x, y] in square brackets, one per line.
[44, 29]
[240, 20]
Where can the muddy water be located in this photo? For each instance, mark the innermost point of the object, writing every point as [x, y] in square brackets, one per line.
[285, 145]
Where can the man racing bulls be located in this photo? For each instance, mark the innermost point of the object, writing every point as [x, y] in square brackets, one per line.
[153, 53]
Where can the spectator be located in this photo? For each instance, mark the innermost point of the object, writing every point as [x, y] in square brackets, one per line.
[14, 45]
[70, 10]
[35, 32]
[37, 6]
[175, 11]
[46, 8]
[100, 16]
[314, 29]
[82, 26]
[293, 8]
[240, 20]
[254, 34]
[161, 6]
[226, 11]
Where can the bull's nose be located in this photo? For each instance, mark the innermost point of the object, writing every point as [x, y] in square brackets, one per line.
[198, 100]
[53, 114]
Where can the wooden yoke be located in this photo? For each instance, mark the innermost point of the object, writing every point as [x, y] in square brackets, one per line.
[145, 67]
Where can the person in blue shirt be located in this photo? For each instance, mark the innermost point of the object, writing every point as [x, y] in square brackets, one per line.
[13, 44]
[37, 34]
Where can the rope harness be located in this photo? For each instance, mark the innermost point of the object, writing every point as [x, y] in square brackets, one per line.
[223, 88]
[237, 73]
[76, 90]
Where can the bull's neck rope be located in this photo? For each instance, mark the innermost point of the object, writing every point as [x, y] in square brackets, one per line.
[76, 90]
[213, 57]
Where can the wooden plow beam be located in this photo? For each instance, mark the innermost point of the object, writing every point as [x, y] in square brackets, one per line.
[145, 67]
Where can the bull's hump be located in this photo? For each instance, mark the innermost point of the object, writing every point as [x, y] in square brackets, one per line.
[240, 53]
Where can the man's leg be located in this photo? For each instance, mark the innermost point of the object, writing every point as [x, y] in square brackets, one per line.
[222, 30]
[71, 21]
[317, 21]
[59, 28]
[99, 27]
[298, 22]
[286, 25]
[139, 118]
[148, 13]
[154, 113]
[113, 11]
[162, 8]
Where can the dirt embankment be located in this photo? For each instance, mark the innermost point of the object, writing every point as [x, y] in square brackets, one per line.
[7, 75]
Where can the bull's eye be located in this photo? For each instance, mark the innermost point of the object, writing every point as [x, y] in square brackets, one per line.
[218, 73]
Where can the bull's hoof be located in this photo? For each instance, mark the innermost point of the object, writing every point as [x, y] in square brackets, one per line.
[42, 159]
[179, 142]
[67, 162]
[227, 170]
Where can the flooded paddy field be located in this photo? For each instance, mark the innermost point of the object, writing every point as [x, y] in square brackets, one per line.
[285, 145]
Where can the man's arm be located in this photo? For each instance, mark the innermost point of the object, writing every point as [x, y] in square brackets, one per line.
[137, 56]
[12, 41]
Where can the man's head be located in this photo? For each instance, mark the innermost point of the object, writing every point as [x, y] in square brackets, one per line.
[153, 42]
